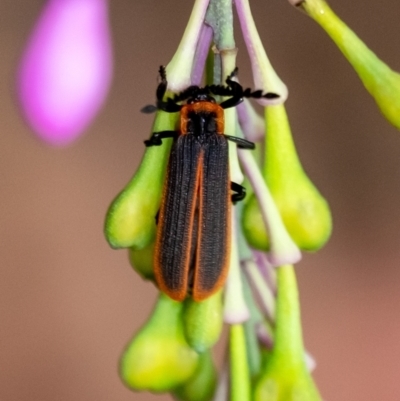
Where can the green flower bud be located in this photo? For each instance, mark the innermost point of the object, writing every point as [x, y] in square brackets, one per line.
[286, 385]
[304, 211]
[201, 386]
[253, 227]
[203, 322]
[142, 261]
[130, 220]
[158, 358]
[284, 374]
[378, 78]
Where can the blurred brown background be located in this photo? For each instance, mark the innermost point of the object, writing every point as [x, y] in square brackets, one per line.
[69, 303]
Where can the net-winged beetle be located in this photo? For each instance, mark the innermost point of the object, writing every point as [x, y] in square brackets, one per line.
[193, 228]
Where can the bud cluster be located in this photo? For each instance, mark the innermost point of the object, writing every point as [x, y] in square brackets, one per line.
[282, 215]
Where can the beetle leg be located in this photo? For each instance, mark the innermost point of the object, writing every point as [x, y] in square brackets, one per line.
[169, 106]
[156, 138]
[232, 101]
[241, 143]
[258, 94]
[239, 192]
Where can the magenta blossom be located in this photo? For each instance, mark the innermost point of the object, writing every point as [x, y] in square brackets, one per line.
[66, 69]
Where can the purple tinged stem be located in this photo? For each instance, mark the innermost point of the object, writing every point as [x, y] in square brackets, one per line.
[265, 77]
[252, 124]
[263, 293]
[266, 269]
[283, 250]
[265, 335]
[222, 390]
[235, 308]
[203, 47]
[179, 69]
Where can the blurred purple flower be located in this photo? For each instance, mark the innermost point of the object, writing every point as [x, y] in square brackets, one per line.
[66, 69]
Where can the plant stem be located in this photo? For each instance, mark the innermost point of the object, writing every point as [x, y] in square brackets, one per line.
[235, 310]
[288, 335]
[179, 69]
[202, 50]
[265, 77]
[240, 376]
[282, 249]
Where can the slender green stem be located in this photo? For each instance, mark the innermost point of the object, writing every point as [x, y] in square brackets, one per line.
[240, 375]
[220, 18]
[288, 333]
[378, 78]
[256, 318]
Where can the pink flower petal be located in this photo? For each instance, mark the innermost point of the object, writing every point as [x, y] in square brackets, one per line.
[66, 69]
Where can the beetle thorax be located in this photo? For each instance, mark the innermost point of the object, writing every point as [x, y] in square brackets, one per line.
[202, 118]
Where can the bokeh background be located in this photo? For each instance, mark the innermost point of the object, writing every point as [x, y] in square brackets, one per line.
[69, 304]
